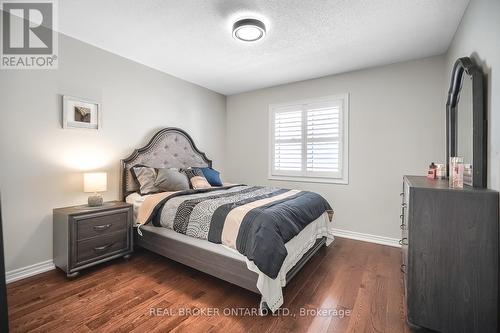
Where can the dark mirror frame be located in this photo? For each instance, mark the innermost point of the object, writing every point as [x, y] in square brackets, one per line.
[466, 66]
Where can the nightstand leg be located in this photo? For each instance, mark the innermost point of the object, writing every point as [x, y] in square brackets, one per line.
[72, 275]
[127, 256]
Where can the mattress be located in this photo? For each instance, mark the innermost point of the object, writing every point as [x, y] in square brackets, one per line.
[270, 289]
[136, 200]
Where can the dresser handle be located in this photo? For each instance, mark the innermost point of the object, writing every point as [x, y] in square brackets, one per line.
[403, 268]
[102, 227]
[401, 216]
[402, 241]
[403, 205]
[401, 194]
[402, 226]
[102, 248]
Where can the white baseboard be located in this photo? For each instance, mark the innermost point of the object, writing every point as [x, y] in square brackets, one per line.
[367, 237]
[45, 266]
[24, 272]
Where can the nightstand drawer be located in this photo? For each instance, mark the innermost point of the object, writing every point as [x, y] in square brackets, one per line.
[101, 225]
[101, 246]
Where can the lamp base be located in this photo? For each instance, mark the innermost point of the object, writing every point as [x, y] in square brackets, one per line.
[95, 200]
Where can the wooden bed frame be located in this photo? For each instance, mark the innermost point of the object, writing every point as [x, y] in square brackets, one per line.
[174, 148]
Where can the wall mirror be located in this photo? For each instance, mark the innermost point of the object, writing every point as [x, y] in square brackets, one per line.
[466, 121]
[464, 117]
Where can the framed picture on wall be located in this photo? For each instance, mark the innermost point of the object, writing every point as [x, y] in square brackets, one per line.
[81, 113]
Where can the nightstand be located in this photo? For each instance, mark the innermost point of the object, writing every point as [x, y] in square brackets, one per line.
[86, 236]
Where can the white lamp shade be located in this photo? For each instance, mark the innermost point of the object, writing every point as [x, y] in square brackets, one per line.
[95, 182]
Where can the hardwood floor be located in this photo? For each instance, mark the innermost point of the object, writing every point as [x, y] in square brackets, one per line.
[120, 297]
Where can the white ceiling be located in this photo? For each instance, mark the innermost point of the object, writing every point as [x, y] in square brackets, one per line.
[191, 39]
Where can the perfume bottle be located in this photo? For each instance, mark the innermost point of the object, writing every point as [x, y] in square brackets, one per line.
[431, 173]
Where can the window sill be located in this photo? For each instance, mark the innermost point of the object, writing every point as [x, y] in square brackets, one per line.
[310, 180]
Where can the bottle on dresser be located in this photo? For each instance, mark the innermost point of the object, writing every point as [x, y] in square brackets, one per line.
[431, 173]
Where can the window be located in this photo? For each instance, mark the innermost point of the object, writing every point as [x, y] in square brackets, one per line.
[308, 140]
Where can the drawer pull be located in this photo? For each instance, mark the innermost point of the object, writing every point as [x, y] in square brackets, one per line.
[401, 194]
[402, 226]
[403, 205]
[102, 248]
[402, 241]
[401, 216]
[403, 268]
[102, 227]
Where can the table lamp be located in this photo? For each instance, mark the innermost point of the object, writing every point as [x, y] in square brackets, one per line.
[95, 182]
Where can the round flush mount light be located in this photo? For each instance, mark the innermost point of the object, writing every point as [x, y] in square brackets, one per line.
[249, 30]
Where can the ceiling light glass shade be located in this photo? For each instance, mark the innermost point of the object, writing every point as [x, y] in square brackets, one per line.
[249, 30]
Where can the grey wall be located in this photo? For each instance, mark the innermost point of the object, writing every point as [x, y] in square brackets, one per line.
[42, 164]
[478, 36]
[396, 127]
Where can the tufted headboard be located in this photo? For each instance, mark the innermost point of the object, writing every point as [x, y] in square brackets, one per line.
[169, 148]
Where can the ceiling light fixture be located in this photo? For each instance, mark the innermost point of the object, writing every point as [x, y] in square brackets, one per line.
[249, 30]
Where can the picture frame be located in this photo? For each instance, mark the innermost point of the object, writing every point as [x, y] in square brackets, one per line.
[81, 113]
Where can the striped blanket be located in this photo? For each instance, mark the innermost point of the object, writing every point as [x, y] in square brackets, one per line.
[257, 221]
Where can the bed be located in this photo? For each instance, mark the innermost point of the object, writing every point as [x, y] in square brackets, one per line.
[174, 148]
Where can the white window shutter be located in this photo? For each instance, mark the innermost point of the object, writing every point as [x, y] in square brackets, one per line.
[309, 140]
[323, 140]
[288, 140]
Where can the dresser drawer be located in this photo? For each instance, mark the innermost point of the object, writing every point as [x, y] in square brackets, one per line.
[88, 227]
[101, 246]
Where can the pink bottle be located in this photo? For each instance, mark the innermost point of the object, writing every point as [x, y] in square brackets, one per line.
[431, 173]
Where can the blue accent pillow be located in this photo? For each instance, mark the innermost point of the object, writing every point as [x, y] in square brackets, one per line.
[212, 176]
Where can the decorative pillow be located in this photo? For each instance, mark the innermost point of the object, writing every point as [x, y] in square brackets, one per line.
[171, 180]
[146, 177]
[196, 178]
[212, 176]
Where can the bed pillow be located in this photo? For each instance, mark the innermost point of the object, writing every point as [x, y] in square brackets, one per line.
[146, 177]
[212, 176]
[169, 180]
[196, 178]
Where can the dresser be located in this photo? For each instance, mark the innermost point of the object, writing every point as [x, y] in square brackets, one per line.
[450, 256]
[86, 236]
